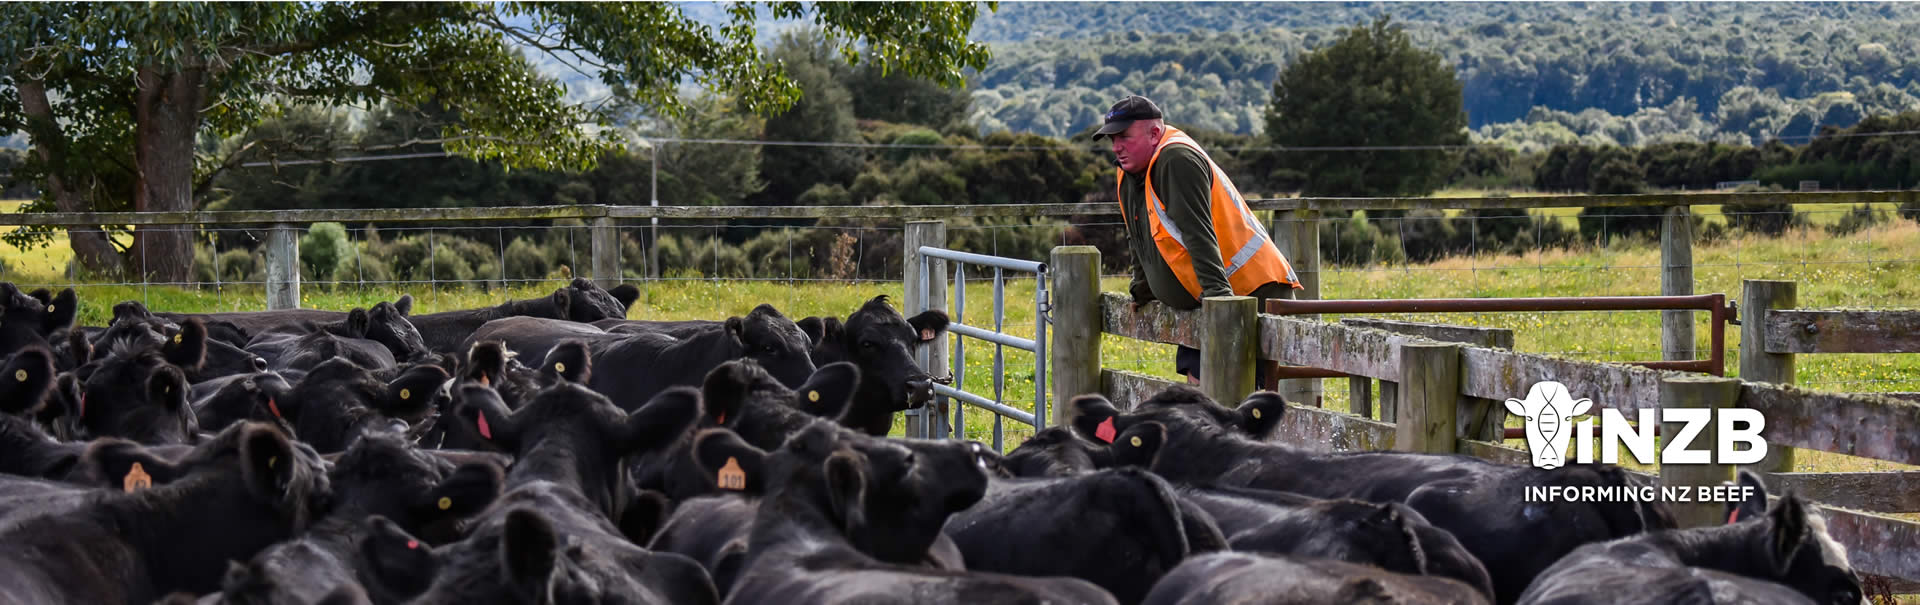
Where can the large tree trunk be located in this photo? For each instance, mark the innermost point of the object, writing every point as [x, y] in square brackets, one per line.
[166, 118]
[90, 245]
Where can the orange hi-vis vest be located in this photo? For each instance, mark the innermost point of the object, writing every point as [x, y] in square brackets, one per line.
[1250, 258]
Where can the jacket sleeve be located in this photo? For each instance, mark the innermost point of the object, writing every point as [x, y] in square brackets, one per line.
[1183, 182]
[1139, 289]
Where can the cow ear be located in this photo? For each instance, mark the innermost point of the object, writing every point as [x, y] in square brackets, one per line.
[528, 548]
[168, 387]
[400, 564]
[729, 461]
[129, 309]
[25, 381]
[1139, 445]
[645, 514]
[188, 348]
[404, 305]
[626, 294]
[357, 322]
[267, 461]
[724, 392]
[487, 361]
[660, 421]
[61, 310]
[828, 393]
[570, 360]
[928, 325]
[1754, 506]
[413, 392]
[847, 490]
[737, 328]
[1791, 531]
[563, 304]
[814, 328]
[43, 295]
[1517, 407]
[467, 490]
[1094, 417]
[120, 464]
[482, 410]
[1261, 413]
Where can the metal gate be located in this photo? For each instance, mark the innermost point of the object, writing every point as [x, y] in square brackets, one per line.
[939, 425]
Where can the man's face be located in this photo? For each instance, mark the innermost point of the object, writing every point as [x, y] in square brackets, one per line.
[1134, 146]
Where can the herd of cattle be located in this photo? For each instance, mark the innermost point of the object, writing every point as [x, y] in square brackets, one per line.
[552, 451]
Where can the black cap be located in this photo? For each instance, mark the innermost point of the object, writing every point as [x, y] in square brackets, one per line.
[1125, 112]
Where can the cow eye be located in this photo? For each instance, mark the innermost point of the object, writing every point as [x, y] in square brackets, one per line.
[770, 348]
[867, 343]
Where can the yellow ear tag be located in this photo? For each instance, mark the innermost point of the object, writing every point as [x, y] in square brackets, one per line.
[446, 503]
[176, 339]
[732, 476]
[271, 460]
[52, 308]
[20, 375]
[559, 367]
[1135, 441]
[1256, 413]
[813, 396]
[406, 394]
[137, 479]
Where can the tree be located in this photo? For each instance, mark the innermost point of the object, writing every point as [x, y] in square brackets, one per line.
[824, 114]
[116, 96]
[1371, 88]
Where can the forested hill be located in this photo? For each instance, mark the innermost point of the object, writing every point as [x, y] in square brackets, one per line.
[1535, 73]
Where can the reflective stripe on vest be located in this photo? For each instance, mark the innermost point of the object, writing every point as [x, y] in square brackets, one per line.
[1250, 228]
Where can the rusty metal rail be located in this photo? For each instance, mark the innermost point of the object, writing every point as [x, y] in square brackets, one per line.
[1721, 311]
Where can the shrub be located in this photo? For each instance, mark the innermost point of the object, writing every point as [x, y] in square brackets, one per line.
[235, 265]
[1765, 219]
[321, 249]
[1857, 219]
[445, 268]
[526, 260]
[363, 267]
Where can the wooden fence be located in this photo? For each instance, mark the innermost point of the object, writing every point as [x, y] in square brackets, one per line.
[1445, 393]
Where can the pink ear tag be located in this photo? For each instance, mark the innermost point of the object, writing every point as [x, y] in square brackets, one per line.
[413, 544]
[485, 432]
[1105, 431]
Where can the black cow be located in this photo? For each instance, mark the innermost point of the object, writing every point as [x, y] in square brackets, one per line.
[1120, 529]
[25, 379]
[137, 391]
[1056, 452]
[379, 475]
[338, 401]
[492, 364]
[743, 397]
[1260, 579]
[241, 327]
[581, 301]
[229, 399]
[838, 505]
[132, 320]
[880, 341]
[633, 367]
[1764, 554]
[117, 547]
[1482, 503]
[298, 349]
[26, 321]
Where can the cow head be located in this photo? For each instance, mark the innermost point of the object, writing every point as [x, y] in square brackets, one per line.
[1180, 409]
[254, 396]
[25, 381]
[775, 342]
[382, 474]
[387, 324]
[1055, 452]
[1790, 540]
[29, 320]
[140, 393]
[587, 302]
[1549, 411]
[881, 342]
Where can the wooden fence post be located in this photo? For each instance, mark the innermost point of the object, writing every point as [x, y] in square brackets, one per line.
[1676, 279]
[1756, 364]
[1699, 392]
[606, 252]
[1074, 354]
[1297, 234]
[1430, 391]
[283, 267]
[933, 357]
[1229, 337]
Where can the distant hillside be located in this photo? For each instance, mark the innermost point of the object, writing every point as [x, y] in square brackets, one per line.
[1535, 72]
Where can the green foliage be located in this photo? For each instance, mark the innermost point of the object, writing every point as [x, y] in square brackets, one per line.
[824, 114]
[1857, 219]
[1372, 87]
[321, 249]
[1765, 219]
[525, 260]
[236, 265]
[1357, 241]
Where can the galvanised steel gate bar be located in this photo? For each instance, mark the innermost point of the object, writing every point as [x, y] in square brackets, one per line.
[941, 426]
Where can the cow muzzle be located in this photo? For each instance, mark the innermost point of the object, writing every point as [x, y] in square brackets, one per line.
[919, 392]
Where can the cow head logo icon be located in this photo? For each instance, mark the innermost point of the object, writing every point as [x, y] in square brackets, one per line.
[1549, 410]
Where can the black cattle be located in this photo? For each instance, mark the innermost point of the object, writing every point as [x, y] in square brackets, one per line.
[1482, 503]
[338, 401]
[743, 397]
[491, 363]
[838, 506]
[1259, 579]
[136, 391]
[581, 301]
[229, 399]
[132, 320]
[880, 341]
[27, 321]
[298, 349]
[1765, 554]
[25, 379]
[1056, 452]
[1120, 529]
[117, 547]
[379, 475]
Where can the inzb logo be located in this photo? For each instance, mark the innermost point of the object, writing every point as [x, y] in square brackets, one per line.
[1549, 410]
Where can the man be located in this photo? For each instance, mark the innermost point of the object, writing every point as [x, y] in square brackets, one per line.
[1191, 233]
